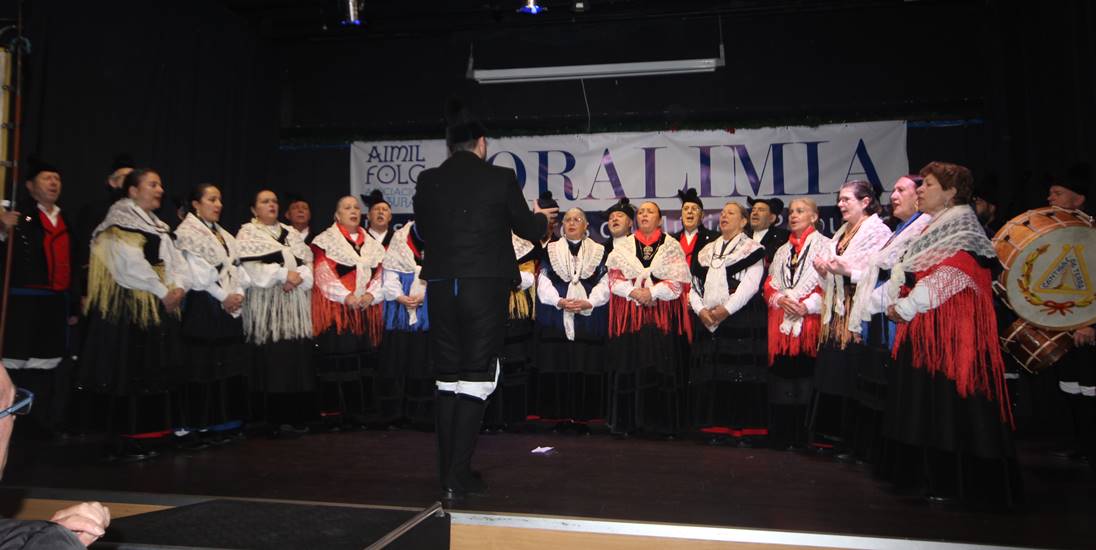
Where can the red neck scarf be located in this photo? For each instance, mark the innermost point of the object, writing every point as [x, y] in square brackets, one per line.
[649, 239]
[798, 242]
[358, 238]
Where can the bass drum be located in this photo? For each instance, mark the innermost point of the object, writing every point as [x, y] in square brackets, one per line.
[1048, 255]
[1035, 349]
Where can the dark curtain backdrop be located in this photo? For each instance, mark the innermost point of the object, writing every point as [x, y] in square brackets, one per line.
[185, 87]
[192, 90]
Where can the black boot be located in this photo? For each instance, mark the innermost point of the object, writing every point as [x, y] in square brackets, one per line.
[461, 479]
[445, 404]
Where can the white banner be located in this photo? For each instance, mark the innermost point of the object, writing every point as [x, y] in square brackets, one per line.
[592, 171]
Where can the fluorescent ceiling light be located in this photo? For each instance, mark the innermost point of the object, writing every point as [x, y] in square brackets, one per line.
[603, 70]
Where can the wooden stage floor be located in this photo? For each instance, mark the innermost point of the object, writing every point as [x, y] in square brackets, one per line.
[683, 482]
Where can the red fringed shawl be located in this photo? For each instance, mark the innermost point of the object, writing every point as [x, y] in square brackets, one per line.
[787, 344]
[959, 337]
[326, 313]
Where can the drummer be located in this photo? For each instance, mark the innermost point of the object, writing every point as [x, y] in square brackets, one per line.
[1077, 369]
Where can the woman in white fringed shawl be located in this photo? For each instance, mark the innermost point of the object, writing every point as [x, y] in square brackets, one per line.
[794, 295]
[278, 316]
[137, 279]
[869, 324]
[213, 331]
[863, 233]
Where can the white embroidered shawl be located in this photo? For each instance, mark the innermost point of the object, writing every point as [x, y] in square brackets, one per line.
[668, 263]
[401, 259]
[805, 279]
[338, 249]
[868, 238]
[195, 237]
[884, 258]
[716, 288]
[573, 269]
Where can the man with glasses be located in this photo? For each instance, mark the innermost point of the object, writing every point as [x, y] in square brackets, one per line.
[74, 527]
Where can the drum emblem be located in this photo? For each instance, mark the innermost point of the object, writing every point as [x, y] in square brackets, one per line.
[1065, 280]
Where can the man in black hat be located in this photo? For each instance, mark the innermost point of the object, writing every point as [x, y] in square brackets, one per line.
[379, 217]
[44, 299]
[466, 210]
[619, 218]
[763, 216]
[693, 235]
[298, 213]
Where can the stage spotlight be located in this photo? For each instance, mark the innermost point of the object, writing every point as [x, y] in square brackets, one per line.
[580, 6]
[531, 8]
[352, 10]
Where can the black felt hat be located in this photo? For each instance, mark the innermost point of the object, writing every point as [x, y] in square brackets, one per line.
[689, 195]
[374, 198]
[776, 206]
[122, 160]
[36, 165]
[623, 205]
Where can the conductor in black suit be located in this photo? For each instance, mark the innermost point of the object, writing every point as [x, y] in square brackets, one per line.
[466, 210]
[764, 214]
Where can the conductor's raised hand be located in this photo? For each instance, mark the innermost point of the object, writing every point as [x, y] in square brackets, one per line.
[549, 213]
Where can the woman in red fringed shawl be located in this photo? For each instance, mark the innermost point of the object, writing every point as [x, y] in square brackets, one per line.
[648, 316]
[347, 307]
[794, 295]
[948, 399]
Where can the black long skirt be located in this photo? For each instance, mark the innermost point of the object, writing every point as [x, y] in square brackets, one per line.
[791, 384]
[646, 379]
[214, 341]
[727, 374]
[570, 378]
[404, 387]
[961, 446]
[121, 358]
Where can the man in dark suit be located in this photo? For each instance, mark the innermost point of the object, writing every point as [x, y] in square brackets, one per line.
[763, 216]
[693, 235]
[466, 210]
[44, 300]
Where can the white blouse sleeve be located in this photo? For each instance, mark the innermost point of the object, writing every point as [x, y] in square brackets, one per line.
[931, 291]
[204, 276]
[526, 280]
[546, 292]
[130, 269]
[392, 288]
[666, 290]
[264, 275]
[599, 295]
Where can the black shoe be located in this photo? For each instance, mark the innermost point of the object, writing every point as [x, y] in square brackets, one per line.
[719, 441]
[622, 435]
[745, 443]
[939, 499]
[581, 429]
